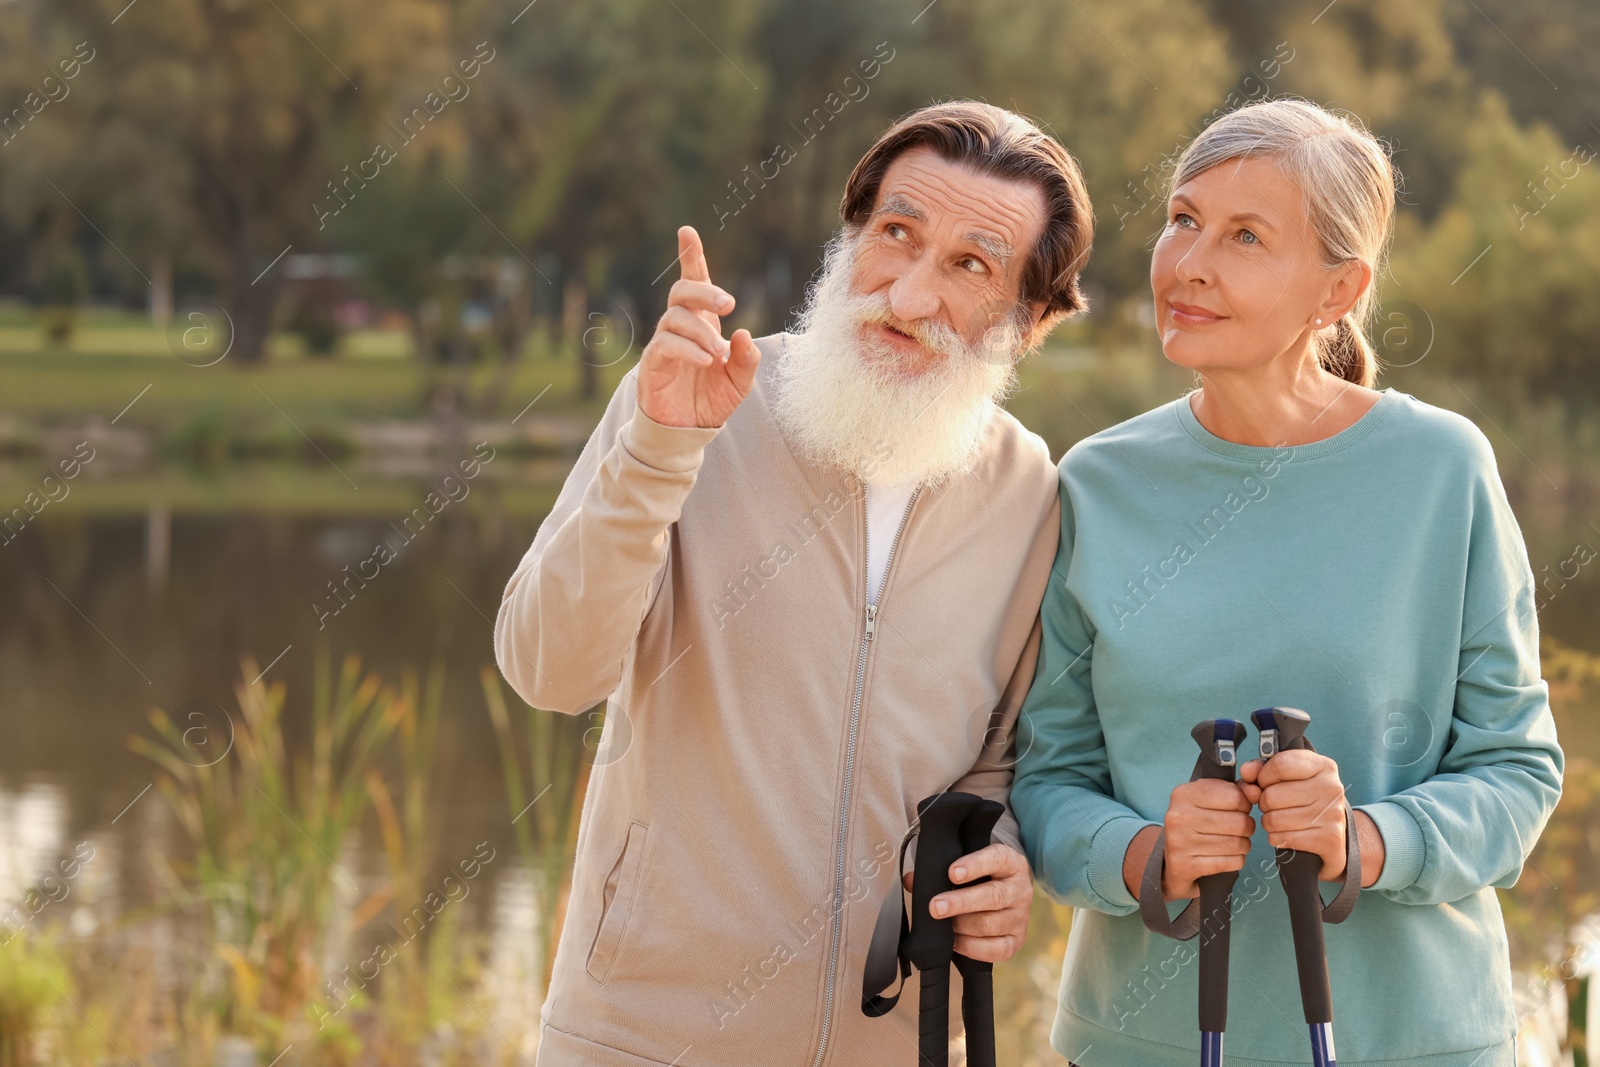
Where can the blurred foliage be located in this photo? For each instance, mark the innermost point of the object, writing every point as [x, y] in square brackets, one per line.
[1552, 907]
[1523, 314]
[1561, 885]
[1026, 986]
[267, 828]
[554, 174]
[269, 832]
[33, 983]
[547, 833]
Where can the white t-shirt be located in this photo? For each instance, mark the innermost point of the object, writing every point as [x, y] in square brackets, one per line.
[886, 506]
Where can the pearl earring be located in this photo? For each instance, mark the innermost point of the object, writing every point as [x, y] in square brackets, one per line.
[1319, 322]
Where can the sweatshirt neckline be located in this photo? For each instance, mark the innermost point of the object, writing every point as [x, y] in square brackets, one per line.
[1387, 398]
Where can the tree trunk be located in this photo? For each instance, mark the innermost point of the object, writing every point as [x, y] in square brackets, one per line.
[512, 311]
[250, 307]
[161, 290]
[574, 321]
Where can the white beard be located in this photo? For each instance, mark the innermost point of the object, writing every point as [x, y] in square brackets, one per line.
[840, 397]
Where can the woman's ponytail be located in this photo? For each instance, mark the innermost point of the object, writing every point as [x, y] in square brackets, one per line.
[1347, 353]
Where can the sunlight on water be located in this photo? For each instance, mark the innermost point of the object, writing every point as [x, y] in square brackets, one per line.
[515, 980]
[33, 822]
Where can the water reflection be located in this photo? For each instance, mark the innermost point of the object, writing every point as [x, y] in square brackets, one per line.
[33, 822]
[516, 979]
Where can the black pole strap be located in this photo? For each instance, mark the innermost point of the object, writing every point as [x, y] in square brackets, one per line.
[1153, 906]
[1343, 903]
[884, 957]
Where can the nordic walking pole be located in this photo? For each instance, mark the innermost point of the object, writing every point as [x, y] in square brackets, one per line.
[977, 976]
[1213, 909]
[1219, 741]
[930, 942]
[1283, 729]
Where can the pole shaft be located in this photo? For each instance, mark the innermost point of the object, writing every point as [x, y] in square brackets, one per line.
[933, 1018]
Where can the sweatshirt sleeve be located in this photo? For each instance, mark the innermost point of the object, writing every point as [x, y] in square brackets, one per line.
[1475, 821]
[573, 607]
[1074, 833]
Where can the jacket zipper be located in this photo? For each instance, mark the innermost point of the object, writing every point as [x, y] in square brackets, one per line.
[850, 755]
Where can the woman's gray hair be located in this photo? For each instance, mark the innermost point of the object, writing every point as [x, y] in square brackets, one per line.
[1348, 184]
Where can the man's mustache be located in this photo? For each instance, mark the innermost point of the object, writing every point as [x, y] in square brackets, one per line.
[934, 336]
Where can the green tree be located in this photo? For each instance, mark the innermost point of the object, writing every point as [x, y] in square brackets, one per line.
[596, 126]
[1105, 78]
[1539, 53]
[1392, 65]
[218, 123]
[1507, 271]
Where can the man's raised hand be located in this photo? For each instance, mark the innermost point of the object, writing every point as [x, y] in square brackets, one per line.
[688, 375]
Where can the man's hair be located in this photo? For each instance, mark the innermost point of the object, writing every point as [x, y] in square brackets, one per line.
[1001, 143]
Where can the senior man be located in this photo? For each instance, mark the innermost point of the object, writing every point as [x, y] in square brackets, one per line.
[806, 571]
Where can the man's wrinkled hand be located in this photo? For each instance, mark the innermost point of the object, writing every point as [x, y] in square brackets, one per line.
[991, 919]
[688, 375]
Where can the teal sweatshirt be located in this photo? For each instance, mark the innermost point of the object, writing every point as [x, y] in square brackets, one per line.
[1375, 579]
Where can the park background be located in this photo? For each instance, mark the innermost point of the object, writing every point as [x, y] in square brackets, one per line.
[272, 269]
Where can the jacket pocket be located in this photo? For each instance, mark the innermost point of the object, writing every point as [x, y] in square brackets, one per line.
[622, 887]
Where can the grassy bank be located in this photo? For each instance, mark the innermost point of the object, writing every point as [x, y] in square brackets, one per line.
[167, 395]
[181, 426]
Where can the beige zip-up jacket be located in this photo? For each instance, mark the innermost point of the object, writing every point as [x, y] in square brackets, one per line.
[768, 735]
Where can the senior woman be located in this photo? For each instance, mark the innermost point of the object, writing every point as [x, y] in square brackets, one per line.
[1287, 535]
